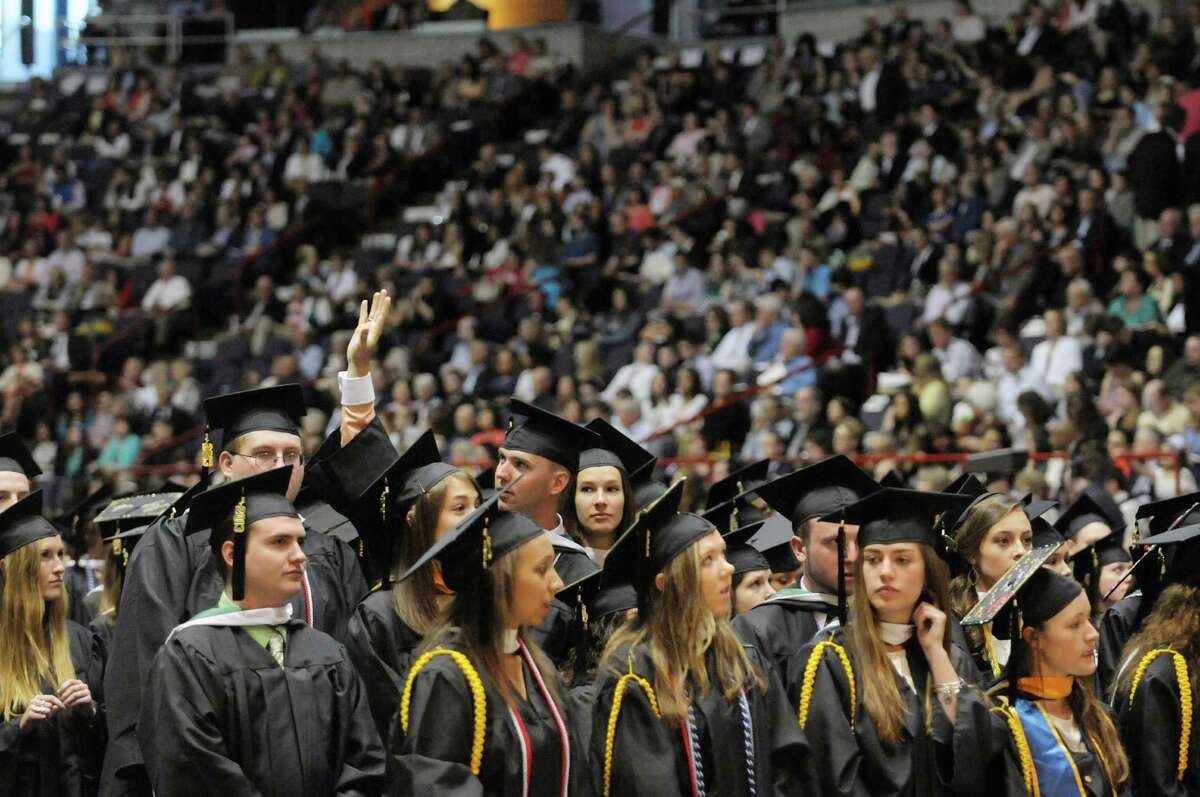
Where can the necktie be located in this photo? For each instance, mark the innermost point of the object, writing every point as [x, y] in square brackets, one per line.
[275, 646]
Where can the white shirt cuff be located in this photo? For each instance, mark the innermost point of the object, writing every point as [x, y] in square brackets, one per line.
[356, 390]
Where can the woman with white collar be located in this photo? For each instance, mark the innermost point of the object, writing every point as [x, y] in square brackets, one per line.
[886, 702]
[481, 711]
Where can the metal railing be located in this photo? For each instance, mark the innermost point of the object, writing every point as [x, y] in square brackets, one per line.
[139, 32]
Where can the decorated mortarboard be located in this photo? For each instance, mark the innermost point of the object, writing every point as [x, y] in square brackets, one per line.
[1039, 592]
[471, 547]
[535, 431]
[1163, 514]
[22, 523]
[615, 449]
[743, 480]
[774, 539]
[893, 515]
[817, 490]
[1001, 462]
[245, 501]
[740, 553]
[270, 409]
[133, 511]
[1083, 511]
[15, 457]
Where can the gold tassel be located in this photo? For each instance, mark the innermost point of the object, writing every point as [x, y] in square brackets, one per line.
[206, 451]
[239, 516]
[383, 496]
[583, 615]
[487, 548]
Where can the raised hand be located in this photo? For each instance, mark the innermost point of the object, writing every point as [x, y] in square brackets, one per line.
[365, 339]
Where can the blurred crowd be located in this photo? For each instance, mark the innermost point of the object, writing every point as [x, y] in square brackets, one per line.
[959, 236]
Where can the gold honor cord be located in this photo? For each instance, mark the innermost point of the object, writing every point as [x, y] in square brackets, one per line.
[1185, 699]
[611, 735]
[810, 674]
[478, 698]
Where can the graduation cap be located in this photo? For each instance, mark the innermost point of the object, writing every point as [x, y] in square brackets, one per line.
[1083, 511]
[740, 553]
[125, 520]
[1163, 514]
[1036, 507]
[821, 489]
[535, 431]
[1044, 532]
[1001, 462]
[894, 515]
[246, 501]
[22, 523]
[775, 541]
[274, 409]
[892, 479]
[967, 484]
[597, 595]
[658, 534]
[647, 491]
[73, 522]
[743, 480]
[1184, 564]
[615, 449]
[15, 457]
[1092, 559]
[184, 500]
[479, 540]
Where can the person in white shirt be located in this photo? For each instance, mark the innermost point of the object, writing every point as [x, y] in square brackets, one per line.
[166, 296]
[637, 377]
[1056, 357]
[67, 257]
[957, 357]
[1017, 378]
[949, 298]
[733, 350]
[149, 239]
[303, 165]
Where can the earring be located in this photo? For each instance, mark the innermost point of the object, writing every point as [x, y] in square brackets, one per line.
[972, 576]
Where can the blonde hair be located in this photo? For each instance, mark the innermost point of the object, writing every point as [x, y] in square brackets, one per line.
[680, 631]
[34, 646]
[414, 598]
[1175, 623]
[880, 694]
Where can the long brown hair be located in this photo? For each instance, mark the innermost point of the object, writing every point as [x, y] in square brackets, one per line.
[967, 542]
[571, 519]
[34, 646]
[880, 693]
[680, 631]
[481, 632]
[1174, 622]
[415, 598]
[1091, 715]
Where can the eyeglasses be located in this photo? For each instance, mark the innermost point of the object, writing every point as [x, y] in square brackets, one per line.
[266, 459]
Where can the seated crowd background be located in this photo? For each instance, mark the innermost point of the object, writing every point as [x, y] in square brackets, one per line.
[957, 237]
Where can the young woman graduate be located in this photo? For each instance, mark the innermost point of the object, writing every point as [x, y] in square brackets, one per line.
[1060, 741]
[481, 712]
[244, 698]
[602, 503]
[420, 500]
[990, 536]
[52, 734]
[751, 570]
[682, 708]
[1156, 692]
[886, 702]
[783, 625]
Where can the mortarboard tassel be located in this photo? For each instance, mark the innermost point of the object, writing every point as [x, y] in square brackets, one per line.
[841, 586]
[487, 547]
[206, 452]
[239, 549]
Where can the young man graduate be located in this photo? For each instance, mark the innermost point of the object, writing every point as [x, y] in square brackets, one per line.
[785, 622]
[245, 698]
[172, 574]
[543, 449]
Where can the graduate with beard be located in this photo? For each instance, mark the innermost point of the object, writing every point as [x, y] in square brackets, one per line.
[887, 701]
[245, 698]
[683, 708]
[543, 449]
[172, 574]
[782, 625]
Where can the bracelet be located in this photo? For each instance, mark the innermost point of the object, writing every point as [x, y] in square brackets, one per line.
[950, 690]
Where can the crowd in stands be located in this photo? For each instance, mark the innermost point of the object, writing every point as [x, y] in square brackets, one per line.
[950, 237]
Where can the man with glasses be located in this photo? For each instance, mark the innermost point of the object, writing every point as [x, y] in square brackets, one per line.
[172, 575]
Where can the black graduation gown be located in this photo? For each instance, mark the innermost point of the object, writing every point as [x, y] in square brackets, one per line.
[78, 585]
[581, 700]
[1150, 729]
[1117, 625]
[61, 756]
[553, 636]
[381, 647]
[434, 756]
[779, 630]
[102, 629]
[221, 717]
[648, 754]
[172, 577]
[857, 762]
